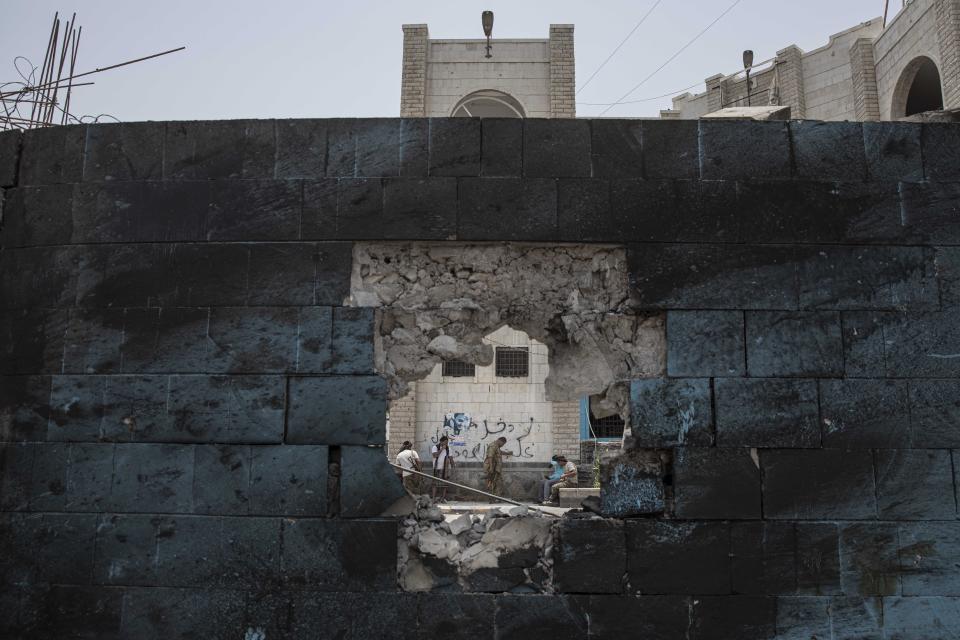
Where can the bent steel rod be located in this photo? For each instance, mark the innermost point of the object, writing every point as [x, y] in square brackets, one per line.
[463, 486]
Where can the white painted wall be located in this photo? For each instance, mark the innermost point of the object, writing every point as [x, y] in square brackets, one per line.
[828, 77]
[516, 408]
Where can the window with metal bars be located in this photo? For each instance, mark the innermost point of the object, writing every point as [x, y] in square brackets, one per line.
[513, 362]
[608, 427]
[458, 369]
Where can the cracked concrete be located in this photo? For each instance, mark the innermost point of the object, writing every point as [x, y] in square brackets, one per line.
[437, 301]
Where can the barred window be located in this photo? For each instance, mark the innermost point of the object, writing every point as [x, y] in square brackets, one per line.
[458, 369]
[608, 427]
[513, 362]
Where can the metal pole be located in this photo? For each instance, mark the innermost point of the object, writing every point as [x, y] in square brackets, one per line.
[463, 486]
[886, 8]
[748, 86]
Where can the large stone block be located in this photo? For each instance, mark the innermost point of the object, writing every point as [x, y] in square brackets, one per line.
[288, 480]
[221, 479]
[352, 341]
[455, 146]
[941, 151]
[671, 149]
[617, 148]
[868, 559]
[671, 412]
[929, 553]
[764, 412]
[340, 555]
[456, 616]
[301, 149]
[37, 216]
[414, 147]
[836, 484]
[152, 478]
[930, 618]
[342, 147]
[948, 271]
[828, 150]
[670, 211]
[378, 147]
[773, 211]
[857, 617]
[665, 557]
[639, 616]
[631, 484]
[590, 556]
[540, 617]
[368, 484]
[321, 208]
[315, 339]
[57, 611]
[869, 278]
[763, 558]
[915, 484]
[76, 408]
[869, 213]
[922, 344]
[930, 211]
[584, 210]
[507, 209]
[10, 142]
[219, 149]
[715, 276]
[935, 412]
[337, 410]
[863, 343]
[72, 477]
[168, 340]
[419, 209]
[55, 548]
[254, 210]
[794, 344]
[705, 343]
[227, 408]
[741, 617]
[123, 151]
[818, 558]
[865, 413]
[556, 148]
[252, 340]
[359, 208]
[502, 147]
[31, 341]
[93, 340]
[163, 612]
[135, 409]
[39, 277]
[738, 150]
[698, 494]
[52, 155]
[24, 408]
[893, 151]
[16, 470]
[299, 274]
[803, 618]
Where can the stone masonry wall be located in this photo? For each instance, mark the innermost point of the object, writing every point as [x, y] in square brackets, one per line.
[192, 425]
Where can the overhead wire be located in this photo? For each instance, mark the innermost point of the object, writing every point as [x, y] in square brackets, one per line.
[669, 94]
[673, 57]
[617, 48]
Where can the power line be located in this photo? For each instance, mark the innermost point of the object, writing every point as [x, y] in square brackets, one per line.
[622, 42]
[673, 57]
[650, 99]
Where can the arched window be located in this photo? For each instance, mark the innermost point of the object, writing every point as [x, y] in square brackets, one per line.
[488, 104]
[918, 89]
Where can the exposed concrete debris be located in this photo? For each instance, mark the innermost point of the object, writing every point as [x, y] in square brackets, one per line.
[437, 302]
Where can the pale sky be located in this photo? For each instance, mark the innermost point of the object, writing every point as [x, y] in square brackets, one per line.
[284, 59]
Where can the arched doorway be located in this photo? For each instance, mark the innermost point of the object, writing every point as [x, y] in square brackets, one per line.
[918, 89]
[488, 104]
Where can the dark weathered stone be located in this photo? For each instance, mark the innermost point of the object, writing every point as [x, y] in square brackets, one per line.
[24, 408]
[315, 337]
[420, 209]
[666, 557]
[360, 208]
[299, 274]
[776, 211]
[352, 341]
[741, 617]
[836, 484]
[670, 211]
[32, 341]
[126, 550]
[10, 142]
[337, 410]
[458, 617]
[948, 272]
[55, 611]
[818, 558]
[76, 408]
[705, 343]
[56, 547]
[507, 209]
[301, 149]
[502, 147]
[737, 150]
[941, 151]
[378, 147]
[669, 412]
[763, 558]
[74, 477]
[288, 480]
[92, 342]
[617, 148]
[540, 617]
[556, 148]
[219, 149]
[590, 556]
[169, 340]
[714, 276]
[935, 412]
[697, 494]
[868, 555]
[189, 551]
[135, 409]
[639, 616]
[865, 413]
[631, 484]
[340, 555]
[671, 149]
[343, 615]
[39, 277]
[414, 147]
[930, 211]
[923, 344]
[863, 343]
[869, 278]
[52, 155]
[584, 210]
[455, 145]
[869, 213]
[758, 412]
[252, 340]
[178, 612]
[251, 552]
[226, 409]
[915, 484]
[152, 478]
[856, 617]
[123, 151]
[495, 580]
[37, 215]
[893, 151]
[929, 553]
[828, 150]
[930, 618]
[16, 469]
[320, 209]
[254, 210]
[794, 344]
[803, 618]
[368, 484]
[342, 148]
[221, 479]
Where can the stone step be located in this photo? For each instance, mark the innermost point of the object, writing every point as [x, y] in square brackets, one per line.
[571, 498]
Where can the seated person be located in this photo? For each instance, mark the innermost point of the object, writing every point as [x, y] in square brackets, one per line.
[568, 479]
[551, 479]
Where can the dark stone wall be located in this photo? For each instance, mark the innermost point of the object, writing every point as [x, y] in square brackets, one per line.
[192, 426]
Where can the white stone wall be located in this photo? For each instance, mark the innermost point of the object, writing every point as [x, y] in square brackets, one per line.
[457, 68]
[912, 33]
[515, 408]
[828, 75]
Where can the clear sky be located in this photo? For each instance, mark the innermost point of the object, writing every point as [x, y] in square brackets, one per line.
[317, 58]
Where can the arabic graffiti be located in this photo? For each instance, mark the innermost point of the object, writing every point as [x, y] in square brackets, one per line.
[468, 439]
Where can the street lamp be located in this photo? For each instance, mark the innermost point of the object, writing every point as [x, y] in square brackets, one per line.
[487, 19]
[748, 64]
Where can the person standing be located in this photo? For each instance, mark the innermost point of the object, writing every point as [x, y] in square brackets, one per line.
[567, 480]
[442, 464]
[493, 466]
[409, 459]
